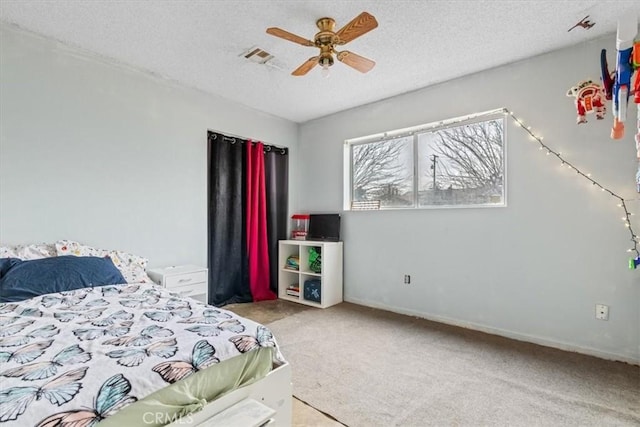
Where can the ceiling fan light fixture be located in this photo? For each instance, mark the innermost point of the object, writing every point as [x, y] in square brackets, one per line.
[325, 71]
[325, 62]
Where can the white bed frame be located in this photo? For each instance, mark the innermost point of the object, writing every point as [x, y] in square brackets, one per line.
[274, 391]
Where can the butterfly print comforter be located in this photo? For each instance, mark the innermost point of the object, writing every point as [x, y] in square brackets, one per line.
[80, 356]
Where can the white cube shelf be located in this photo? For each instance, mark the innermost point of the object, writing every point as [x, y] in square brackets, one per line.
[330, 275]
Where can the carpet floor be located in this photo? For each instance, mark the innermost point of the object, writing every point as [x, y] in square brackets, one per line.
[368, 367]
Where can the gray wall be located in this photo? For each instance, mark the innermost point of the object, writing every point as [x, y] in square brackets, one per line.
[533, 270]
[107, 155]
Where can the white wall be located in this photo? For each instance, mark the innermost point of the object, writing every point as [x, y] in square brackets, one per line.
[533, 270]
[110, 156]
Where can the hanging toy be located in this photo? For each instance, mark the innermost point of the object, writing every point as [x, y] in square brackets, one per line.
[633, 263]
[636, 89]
[617, 85]
[590, 98]
[635, 62]
[637, 102]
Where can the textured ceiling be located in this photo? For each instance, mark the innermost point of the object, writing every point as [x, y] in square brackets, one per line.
[417, 43]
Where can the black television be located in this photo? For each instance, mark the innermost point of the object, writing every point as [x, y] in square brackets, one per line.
[324, 227]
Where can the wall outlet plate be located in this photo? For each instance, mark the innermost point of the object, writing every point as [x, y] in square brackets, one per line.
[602, 312]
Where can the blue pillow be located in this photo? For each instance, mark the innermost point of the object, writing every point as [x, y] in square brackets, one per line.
[7, 263]
[27, 279]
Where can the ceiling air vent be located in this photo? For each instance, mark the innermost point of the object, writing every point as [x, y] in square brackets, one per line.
[257, 55]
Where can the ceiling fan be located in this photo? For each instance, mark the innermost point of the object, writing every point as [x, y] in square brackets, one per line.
[327, 40]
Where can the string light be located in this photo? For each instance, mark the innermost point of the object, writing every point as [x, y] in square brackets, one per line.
[534, 138]
[587, 176]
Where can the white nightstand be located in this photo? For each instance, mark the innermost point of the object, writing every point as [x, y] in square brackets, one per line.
[187, 280]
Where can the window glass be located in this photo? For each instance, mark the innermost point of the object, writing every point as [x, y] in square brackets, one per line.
[462, 165]
[459, 163]
[382, 172]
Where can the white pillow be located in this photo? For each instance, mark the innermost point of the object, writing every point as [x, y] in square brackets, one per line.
[28, 252]
[132, 267]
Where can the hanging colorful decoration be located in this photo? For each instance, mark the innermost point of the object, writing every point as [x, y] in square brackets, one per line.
[636, 99]
[618, 88]
[590, 98]
[633, 262]
[617, 84]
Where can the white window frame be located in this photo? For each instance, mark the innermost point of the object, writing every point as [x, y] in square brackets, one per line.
[415, 131]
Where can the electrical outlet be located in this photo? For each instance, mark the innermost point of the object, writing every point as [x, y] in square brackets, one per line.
[602, 312]
[407, 279]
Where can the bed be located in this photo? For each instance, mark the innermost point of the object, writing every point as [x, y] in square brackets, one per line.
[77, 351]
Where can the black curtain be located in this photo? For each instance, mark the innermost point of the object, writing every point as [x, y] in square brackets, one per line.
[228, 263]
[276, 164]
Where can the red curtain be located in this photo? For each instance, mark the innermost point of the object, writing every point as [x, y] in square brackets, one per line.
[257, 243]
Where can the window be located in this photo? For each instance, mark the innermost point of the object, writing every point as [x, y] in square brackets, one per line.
[460, 162]
[383, 171]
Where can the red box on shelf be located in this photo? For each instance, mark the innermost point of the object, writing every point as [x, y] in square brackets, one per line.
[299, 226]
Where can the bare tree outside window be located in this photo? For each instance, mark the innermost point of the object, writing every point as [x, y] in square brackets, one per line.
[459, 163]
[383, 171]
[462, 165]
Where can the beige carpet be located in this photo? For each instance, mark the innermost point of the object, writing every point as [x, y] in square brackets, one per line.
[368, 367]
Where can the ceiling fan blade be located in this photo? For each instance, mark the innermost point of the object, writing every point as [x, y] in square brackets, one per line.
[358, 62]
[306, 66]
[358, 26]
[278, 32]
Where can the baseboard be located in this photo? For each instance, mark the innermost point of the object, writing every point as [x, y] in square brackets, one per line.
[502, 332]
